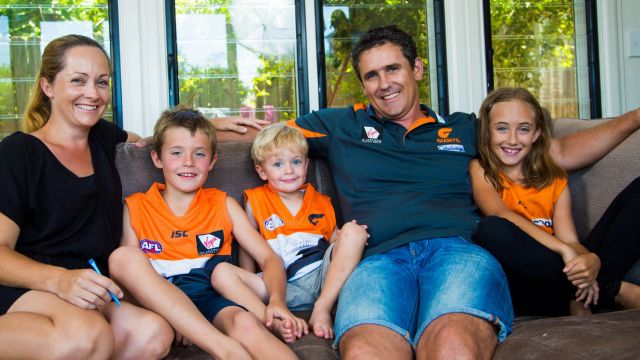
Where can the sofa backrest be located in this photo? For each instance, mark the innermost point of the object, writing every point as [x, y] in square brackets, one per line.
[233, 172]
[594, 187]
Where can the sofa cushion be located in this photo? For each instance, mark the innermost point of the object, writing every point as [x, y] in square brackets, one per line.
[603, 336]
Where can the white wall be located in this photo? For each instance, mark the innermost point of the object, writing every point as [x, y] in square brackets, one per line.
[145, 78]
[143, 63]
[630, 19]
[467, 75]
[619, 74]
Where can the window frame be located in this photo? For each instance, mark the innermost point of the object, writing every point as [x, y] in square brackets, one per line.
[301, 68]
[591, 21]
[114, 51]
[442, 99]
[306, 35]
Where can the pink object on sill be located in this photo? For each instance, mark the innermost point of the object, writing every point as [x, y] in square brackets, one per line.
[247, 112]
[269, 113]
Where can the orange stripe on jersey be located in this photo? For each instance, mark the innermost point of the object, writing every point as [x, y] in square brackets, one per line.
[307, 133]
[359, 106]
[419, 122]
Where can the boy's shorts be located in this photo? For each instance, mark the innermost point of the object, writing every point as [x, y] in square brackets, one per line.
[406, 288]
[303, 292]
[197, 286]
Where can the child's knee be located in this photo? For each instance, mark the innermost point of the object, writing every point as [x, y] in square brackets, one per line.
[122, 258]
[245, 324]
[222, 273]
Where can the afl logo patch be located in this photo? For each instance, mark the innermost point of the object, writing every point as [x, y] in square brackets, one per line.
[150, 246]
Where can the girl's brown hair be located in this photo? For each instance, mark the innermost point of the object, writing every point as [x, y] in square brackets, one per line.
[38, 110]
[538, 167]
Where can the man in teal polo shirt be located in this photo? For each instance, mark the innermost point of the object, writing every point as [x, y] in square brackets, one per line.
[423, 287]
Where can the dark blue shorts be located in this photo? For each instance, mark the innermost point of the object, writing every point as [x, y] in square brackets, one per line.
[197, 286]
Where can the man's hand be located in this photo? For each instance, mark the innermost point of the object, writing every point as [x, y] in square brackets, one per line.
[238, 124]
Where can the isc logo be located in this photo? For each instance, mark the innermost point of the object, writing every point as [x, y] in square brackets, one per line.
[150, 246]
[179, 234]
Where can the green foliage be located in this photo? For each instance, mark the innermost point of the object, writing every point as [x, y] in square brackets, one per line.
[275, 85]
[530, 38]
[25, 18]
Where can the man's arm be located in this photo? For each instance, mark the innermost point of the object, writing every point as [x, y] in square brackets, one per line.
[582, 148]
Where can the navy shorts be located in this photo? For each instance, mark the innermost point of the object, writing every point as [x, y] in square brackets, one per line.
[197, 286]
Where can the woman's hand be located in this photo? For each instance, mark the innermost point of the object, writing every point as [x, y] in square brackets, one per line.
[85, 288]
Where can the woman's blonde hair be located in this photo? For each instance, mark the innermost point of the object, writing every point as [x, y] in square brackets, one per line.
[275, 137]
[38, 109]
[538, 167]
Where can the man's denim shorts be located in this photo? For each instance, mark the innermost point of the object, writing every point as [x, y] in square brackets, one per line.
[408, 287]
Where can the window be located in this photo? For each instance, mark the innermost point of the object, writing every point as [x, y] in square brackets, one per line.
[26, 27]
[344, 21]
[235, 57]
[543, 47]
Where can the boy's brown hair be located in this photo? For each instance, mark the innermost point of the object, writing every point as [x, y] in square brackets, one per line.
[184, 117]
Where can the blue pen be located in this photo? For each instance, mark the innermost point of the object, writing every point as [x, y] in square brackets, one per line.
[95, 267]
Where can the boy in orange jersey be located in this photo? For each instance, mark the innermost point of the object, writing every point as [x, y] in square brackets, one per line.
[174, 236]
[300, 226]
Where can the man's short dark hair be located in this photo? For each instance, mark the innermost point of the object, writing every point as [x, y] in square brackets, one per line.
[378, 36]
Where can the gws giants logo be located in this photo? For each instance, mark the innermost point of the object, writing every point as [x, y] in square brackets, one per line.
[444, 136]
[210, 244]
[273, 222]
[150, 246]
[371, 135]
[448, 144]
[314, 218]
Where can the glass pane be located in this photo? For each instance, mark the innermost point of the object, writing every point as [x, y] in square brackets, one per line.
[237, 57]
[345, 20]
[534, 46]
[26, 27]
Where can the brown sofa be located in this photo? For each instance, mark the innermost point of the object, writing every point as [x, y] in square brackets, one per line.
[603, 336]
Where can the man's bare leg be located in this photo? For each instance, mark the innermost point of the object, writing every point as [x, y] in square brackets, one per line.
[457, 336]
[374, 342]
